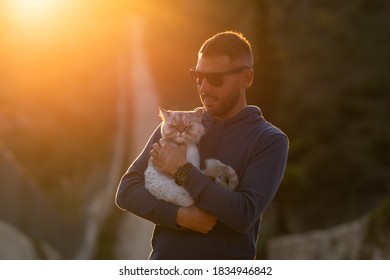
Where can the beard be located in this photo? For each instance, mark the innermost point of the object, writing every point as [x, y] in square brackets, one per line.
[222, 107]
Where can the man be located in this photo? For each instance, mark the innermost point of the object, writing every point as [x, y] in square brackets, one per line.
[221, 224]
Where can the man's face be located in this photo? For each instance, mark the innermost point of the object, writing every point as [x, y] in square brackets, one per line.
[226, 100]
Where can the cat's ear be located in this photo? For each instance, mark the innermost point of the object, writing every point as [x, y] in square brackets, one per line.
[164, 114]
[198, 112]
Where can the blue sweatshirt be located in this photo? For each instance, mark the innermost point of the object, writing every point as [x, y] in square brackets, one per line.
[256, 150]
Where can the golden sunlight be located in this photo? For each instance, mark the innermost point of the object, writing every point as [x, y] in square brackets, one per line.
[34, 11]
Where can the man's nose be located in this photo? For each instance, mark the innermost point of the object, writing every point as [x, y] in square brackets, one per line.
[205, 86]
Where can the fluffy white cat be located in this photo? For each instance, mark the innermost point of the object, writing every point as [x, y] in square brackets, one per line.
[185, 127]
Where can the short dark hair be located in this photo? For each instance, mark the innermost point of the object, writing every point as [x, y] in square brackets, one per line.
[230, 43]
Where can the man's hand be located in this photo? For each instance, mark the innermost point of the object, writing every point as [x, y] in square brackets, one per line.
[195, 219]
[168, 157]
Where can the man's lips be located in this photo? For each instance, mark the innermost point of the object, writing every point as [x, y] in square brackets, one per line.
[209, 99]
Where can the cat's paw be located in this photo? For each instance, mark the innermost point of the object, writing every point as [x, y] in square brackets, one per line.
[221, 173]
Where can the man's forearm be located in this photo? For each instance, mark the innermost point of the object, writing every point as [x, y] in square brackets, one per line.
[195, 219]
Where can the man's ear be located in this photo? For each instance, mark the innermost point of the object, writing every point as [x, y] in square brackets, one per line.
[248, 78]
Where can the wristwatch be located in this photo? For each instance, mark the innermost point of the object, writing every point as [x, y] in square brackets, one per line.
[182, 173]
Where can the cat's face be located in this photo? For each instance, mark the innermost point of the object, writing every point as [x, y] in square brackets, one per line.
[182, 126]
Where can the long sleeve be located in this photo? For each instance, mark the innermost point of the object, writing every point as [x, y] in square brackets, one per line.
[132, 196]
[258, 185]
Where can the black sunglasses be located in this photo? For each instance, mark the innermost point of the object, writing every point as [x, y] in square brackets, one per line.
[215, 79]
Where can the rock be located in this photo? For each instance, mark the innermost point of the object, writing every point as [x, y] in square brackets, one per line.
[15, 245]
[340, 242]
[364, 238]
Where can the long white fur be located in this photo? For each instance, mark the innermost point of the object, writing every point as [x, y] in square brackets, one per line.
[164, 187]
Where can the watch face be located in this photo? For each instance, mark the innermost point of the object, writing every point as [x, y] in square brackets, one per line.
[182, 173]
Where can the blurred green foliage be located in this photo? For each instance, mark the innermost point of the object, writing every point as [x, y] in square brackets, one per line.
[334, 105]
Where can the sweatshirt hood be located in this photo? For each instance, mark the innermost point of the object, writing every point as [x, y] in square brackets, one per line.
[247, 114]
